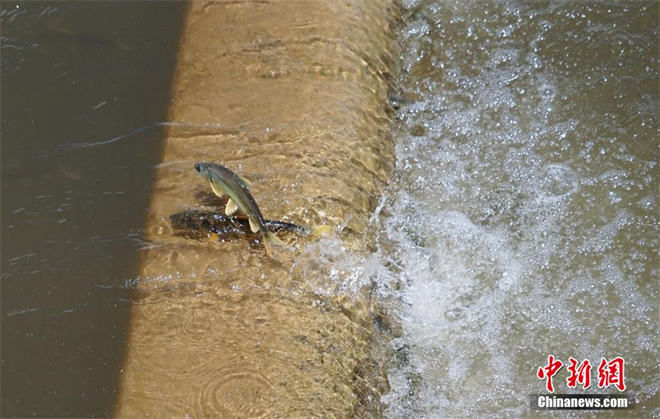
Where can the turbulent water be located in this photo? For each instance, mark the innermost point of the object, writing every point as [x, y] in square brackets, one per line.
[523, 220]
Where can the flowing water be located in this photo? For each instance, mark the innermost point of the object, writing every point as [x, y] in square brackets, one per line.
[85, 89]
[523, 220]
[282, 93]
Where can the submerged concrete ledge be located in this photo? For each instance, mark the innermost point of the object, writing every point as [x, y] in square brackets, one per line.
[292, 95]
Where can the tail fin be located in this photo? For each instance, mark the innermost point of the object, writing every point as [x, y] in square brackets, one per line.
[320, 231]
[271, 238]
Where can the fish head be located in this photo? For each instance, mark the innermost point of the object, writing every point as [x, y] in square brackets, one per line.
[203, 169]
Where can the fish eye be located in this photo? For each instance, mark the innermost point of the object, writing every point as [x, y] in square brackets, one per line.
[198, 167]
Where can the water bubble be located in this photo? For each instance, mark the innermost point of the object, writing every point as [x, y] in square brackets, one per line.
[454, 313]
[557, 180]
[615, 198]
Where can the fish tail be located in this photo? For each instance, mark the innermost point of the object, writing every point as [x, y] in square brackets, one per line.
[271, 238]
[320, 231]
[269, 252]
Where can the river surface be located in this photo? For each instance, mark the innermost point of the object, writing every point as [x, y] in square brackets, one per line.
[85, 89]
[523, 220]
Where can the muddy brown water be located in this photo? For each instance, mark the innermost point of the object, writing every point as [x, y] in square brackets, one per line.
[103, 316]
[521, 218]
[293, 96]
[77, 79]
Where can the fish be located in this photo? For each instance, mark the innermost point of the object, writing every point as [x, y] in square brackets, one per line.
[198, 224]
[225, 182]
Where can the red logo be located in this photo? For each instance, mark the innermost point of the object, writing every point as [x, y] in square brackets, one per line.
[549, 371]
[579, 374]
[609, 373]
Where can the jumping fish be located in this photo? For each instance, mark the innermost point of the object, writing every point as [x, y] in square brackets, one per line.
[225, 182]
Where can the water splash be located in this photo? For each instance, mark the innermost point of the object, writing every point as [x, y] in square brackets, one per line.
[523, 221]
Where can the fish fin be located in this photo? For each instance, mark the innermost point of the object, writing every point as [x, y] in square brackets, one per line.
[320, 231]
[253, 226]
[217, 189]
[244, 181]
[269, 252]
[231, 207]
[271, 237]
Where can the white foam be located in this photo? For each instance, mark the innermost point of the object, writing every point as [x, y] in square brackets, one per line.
[524, 216]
